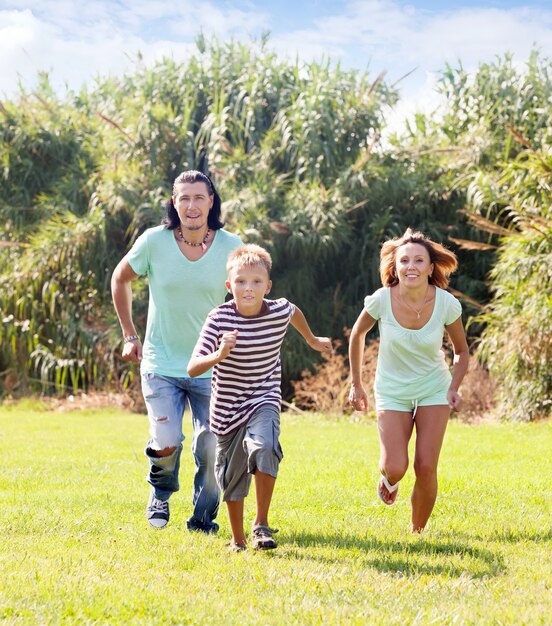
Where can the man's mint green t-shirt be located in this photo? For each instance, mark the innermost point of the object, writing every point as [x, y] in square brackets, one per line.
[181, 294]
[411, 363]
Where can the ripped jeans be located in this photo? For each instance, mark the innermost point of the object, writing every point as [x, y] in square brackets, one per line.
[166, 399]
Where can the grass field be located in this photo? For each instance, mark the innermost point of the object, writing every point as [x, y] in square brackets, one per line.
[75, 547]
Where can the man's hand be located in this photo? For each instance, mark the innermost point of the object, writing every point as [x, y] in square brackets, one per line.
[132, 351]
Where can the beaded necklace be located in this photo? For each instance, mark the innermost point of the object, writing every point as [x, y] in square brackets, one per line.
[192, 243]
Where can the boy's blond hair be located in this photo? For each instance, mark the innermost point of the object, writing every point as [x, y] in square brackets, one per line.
[249, 255]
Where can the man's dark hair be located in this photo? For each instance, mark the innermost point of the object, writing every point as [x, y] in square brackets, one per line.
[214, 221]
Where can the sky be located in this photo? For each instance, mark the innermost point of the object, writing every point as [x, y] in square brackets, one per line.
[76, 41]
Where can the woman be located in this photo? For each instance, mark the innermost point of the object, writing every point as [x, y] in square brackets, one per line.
[413, 386]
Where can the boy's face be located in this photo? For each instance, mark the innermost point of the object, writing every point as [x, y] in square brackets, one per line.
[249, 284]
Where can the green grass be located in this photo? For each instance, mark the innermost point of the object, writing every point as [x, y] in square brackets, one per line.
[75, 547]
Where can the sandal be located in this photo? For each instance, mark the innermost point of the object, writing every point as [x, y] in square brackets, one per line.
[262, 537]
[236, 547]
[392, 489]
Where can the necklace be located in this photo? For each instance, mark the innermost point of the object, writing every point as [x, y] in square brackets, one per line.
[192, 243]
[417, 311]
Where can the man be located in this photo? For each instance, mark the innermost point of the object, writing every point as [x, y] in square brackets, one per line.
[185, 262]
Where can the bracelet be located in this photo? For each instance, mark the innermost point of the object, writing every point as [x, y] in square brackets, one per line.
[130, 338]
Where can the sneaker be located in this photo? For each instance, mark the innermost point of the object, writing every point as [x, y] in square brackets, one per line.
[157, 512]
[262, 537]
[208, 529]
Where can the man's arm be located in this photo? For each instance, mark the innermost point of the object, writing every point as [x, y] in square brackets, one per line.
[121, 292]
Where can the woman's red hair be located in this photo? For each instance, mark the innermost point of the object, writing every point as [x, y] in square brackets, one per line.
[444, 261]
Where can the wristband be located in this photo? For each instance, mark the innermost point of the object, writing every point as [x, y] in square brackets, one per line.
[130, 338]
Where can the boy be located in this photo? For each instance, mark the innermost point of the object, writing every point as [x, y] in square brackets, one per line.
[241, 339]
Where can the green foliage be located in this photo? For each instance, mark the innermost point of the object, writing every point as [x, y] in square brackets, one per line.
[495, 138]
[517, 339]
[295, 151]
[273, 133]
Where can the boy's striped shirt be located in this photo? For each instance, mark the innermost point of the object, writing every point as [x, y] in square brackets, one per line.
[250, 375]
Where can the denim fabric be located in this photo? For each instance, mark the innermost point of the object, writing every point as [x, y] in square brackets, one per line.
[166, 399]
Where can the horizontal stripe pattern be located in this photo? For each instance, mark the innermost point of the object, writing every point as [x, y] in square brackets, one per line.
[251, 374]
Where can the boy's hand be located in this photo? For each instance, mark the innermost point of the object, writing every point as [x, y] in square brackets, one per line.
[227, 343]
[322, 344]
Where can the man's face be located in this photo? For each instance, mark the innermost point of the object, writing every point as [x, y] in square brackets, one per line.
[192, 203]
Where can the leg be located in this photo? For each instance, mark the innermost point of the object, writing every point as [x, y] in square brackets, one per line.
[431, 423]
[235, 514]
[264, 488]
[165, 403]
[264, 455]
[206, 494]
[395, 429]
[234, 480]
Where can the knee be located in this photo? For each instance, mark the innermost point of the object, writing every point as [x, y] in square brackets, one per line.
[266, 459]
[204, 446]
[166, 436]
[425, 472]
[394, 470]
[159, 454]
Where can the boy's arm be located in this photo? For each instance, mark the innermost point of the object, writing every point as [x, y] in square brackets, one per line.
[299, 322]
[199, 364]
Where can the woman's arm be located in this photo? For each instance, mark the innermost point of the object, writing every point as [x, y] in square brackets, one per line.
[460, 363]
[357, 394]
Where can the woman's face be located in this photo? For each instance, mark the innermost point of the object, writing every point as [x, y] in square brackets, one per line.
[413, 265]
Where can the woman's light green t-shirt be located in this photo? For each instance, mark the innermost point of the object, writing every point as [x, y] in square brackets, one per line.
[411, 363]
[181, 294]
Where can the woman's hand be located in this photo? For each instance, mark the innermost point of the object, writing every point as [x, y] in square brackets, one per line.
[358, 398]
[454, 400]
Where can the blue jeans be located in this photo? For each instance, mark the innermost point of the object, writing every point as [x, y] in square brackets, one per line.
[165, 399]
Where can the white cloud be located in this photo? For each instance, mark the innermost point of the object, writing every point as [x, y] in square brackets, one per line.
[76, 40]
[398, 38]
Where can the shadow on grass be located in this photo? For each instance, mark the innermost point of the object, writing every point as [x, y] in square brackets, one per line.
[518, 536]
[419, 556]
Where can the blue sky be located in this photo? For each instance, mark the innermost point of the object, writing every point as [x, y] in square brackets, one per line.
[75, 41]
